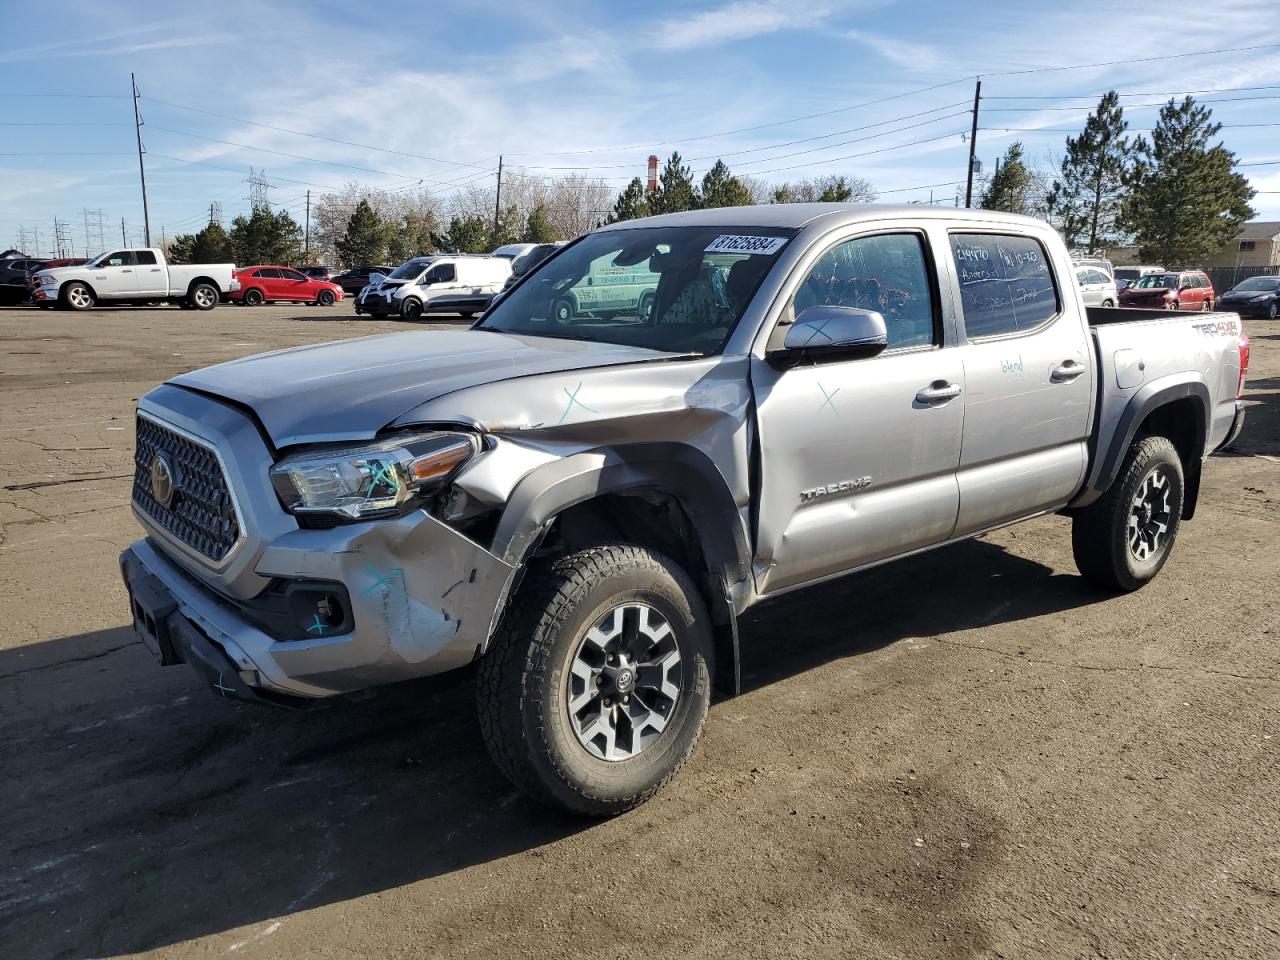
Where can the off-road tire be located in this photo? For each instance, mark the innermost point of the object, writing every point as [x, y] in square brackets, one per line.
[76, 296]
[1100, 532]
[253, 298]
[325, 298]
[522, 690]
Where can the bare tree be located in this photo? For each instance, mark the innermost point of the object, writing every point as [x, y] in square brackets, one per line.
[577, 203]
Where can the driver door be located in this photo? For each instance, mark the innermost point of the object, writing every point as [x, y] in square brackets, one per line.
[114, 276]
[859, 457]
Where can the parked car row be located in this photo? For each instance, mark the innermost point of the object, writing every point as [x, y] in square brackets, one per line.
[18, 276]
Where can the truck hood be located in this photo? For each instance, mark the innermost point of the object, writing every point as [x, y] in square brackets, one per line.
[351, 389]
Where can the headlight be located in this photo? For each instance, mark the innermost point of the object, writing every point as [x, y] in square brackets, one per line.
[47, 280]
[1265, 296]
[374, 480]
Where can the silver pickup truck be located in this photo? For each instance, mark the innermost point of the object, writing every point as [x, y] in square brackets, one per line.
[585, 505]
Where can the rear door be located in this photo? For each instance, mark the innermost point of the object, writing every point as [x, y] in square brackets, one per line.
[1028, 369]
[151, 276]
[296, 285]
[858, 462]
[269, 281]
[114, 276]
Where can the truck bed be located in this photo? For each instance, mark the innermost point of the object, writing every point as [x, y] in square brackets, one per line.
[1143, 350]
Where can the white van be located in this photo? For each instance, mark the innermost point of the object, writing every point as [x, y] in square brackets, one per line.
[609, 290]
[446, 283]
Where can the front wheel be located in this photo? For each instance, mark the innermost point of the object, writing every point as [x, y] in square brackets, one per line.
[325, 298]
[562, 311]
[78, 296]
[204, 296]
[1121, 540]
[411, 309]
[597, 685]
[1108, 304]
[1271, 311]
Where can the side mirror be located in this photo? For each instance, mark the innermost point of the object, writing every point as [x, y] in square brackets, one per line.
[831, 333]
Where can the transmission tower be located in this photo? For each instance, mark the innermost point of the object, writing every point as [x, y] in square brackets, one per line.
[95, 233]
[215, 213]
[62, 238]
[258, 188]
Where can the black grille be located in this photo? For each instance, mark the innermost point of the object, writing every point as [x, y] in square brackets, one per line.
[200, 512]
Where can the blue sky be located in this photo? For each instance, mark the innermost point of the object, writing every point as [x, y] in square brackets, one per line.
[443, 88]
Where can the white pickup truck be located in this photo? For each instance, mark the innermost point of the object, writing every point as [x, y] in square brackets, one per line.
[136, 276]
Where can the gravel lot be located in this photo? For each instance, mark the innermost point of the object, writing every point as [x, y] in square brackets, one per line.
[965, 754]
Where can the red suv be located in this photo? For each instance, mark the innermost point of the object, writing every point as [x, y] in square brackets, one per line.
[1175, 290]
[258, 285]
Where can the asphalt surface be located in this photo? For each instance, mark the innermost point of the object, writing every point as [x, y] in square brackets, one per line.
[964, 754]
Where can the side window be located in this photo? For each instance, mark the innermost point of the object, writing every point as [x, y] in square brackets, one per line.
[1006, 285]
[269, 274]
[122, 258]
[444, 273]
[888, 274]
[146, 258]
[292, 275]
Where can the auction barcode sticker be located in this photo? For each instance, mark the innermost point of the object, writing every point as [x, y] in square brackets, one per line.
[736, 243]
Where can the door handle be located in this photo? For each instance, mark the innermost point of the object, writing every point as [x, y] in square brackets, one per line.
[1067, 371]
[126, 271]
[155, 269]
[938, 392]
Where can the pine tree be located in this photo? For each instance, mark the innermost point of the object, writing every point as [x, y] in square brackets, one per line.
[415, 237]
[265, 236]
[631, 203]
[1085, 201]
[1185, 199]
[538, 228]
[721, 189]
[675, 188]
[365, 241]
[465, 235]
[182, 249]
[1010, 186]
[836, 190]
[510, 228]
[212, 245]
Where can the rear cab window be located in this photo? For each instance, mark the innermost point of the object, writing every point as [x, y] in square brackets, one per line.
[1006, 284]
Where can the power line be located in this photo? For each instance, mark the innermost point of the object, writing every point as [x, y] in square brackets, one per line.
[1169, 93]
[1127, 106]
[314, 136]
[865, 153]
[1131, 60]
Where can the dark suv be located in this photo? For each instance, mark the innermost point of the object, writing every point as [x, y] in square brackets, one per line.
[13, 279]
[357, 278]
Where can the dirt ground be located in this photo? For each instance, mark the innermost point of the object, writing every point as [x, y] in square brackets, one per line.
[965, 754]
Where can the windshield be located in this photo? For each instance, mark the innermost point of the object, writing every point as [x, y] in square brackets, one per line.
[409, 269]
[1261, 284]
[1126, 273]
[1161, 280]
[676, 289]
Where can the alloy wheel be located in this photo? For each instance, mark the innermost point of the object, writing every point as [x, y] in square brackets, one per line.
[624, 682]
[1150, 515]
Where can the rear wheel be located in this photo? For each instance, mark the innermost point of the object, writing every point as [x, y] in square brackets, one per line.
[253, 298]
[1123, 539]
[325, 298]
[1108, 303]
[562, 311]
[77, 296]
[597, 685]
[646, 306]
[204, 296]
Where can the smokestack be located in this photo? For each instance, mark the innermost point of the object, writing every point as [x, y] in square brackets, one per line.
[653, 173]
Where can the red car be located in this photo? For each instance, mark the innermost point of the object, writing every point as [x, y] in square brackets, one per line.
[258, 285]
[1175, 290]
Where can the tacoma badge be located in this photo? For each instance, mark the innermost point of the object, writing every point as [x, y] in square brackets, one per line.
[831, 489]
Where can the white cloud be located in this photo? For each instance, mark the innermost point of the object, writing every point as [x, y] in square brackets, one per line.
[738, 20]
[113, 44]
[905, 53]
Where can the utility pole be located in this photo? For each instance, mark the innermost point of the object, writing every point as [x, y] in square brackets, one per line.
[497, 203]
[164, 243]
[123, 241]
[306, 233]
[973, 146]
[211, 213]
[142, 171]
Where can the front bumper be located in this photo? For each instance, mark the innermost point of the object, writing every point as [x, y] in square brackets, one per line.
[422, 600]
